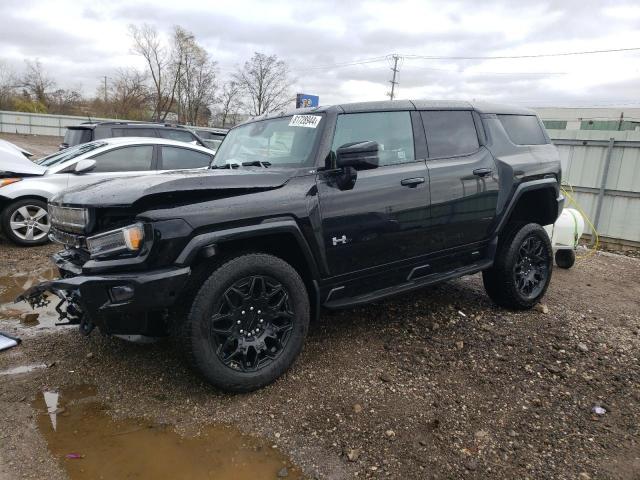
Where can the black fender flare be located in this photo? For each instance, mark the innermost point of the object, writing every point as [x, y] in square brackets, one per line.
[528, 186]
[204, 240]
[289, 226]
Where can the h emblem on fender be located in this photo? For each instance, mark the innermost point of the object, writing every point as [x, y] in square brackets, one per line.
[342, 240]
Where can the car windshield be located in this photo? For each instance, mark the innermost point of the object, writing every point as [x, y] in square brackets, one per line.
[69, 153]
[279, 142]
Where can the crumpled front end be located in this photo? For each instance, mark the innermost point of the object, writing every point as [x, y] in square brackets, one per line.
[127, 303]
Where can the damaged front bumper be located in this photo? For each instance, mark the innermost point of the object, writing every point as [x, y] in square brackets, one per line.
[129, 303]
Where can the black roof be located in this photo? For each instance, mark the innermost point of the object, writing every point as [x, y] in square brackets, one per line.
[132, 123]
[401, 105]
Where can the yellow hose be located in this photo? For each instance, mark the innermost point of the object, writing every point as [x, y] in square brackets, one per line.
[572, 201]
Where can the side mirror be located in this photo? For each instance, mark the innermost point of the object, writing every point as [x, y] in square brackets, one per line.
[84, 166]
[358, 155]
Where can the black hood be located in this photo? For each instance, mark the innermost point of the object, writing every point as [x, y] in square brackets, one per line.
[127, 190]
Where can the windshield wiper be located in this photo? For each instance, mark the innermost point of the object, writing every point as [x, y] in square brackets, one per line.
[256, 163]
[226, 165]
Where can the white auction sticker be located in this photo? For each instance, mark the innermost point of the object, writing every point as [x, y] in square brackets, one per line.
[308, 121]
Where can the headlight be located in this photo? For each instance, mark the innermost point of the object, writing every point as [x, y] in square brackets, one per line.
[120, 240]
[8, 181]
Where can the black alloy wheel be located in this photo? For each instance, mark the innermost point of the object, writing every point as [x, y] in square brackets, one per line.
[522, 267]
[531, 268]
[253, 323]
[247, 323]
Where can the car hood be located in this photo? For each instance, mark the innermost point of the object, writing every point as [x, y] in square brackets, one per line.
[13, 146]
[195, 184]
[13, 162]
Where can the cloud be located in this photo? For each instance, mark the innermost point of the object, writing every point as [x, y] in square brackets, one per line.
[79, 43]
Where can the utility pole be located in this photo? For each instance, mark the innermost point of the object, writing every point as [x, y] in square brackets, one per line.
[393, 82]
[105, 89]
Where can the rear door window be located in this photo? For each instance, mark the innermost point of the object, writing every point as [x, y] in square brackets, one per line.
[523, 129]
[180, 135]
[174, 158]
[450, 133]
[392, 131]
[125, 159]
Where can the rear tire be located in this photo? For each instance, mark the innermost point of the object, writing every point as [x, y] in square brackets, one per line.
[26, 222]
[565, 258]
[522, 268]
[247, 323]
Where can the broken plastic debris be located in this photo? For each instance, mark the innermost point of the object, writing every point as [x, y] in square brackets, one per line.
[73, 456]
[461, 313]
[598, 410]
[51, 401]
[7, 341]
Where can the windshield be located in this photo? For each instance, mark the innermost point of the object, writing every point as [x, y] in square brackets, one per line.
[280, 142]
[68, 154]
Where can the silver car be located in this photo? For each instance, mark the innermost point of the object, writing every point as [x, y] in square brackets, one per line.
[26, 186]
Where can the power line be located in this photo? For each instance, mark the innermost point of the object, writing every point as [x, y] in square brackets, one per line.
[461, 57]
[537, 55]
[343, 64]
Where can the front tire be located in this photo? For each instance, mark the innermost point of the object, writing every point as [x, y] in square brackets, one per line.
[522, 268]
[247, 323]
[26, 222]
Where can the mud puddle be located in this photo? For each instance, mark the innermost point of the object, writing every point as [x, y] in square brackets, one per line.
[89, 444]
[21, 316]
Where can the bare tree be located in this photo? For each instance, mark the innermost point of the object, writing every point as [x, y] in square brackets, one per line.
[264, 80]
[197, 77]
[129, 96]
[163, 69]
[36, 82]
[229, 103]
[8, 84]
[64, 101]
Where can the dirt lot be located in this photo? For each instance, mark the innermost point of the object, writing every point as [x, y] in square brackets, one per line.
[434, 384]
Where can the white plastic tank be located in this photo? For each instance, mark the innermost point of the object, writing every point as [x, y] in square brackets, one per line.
[567, 230]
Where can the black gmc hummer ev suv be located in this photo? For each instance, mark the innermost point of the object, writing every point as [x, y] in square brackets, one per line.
[317, 208]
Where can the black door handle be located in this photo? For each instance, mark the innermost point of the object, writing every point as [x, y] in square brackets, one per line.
[482, 172]
[412, 182]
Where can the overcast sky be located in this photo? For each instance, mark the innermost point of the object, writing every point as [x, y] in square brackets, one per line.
[78, 42]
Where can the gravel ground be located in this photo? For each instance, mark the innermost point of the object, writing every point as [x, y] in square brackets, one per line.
[438, 383]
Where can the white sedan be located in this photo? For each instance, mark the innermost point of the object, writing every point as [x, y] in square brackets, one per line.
[26, 186]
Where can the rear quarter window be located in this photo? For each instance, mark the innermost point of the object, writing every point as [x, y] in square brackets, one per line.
[523, 129]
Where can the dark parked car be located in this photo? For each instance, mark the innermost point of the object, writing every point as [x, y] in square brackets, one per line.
[317, 208]
[90, 131]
